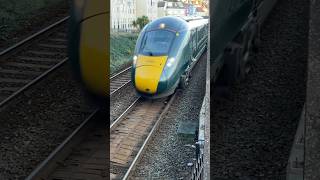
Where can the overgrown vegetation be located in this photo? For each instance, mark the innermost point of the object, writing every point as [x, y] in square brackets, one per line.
[16, 13]
[140, 22]
[122, 48]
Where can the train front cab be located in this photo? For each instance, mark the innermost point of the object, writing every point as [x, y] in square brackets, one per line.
[89, 45]
[157, 57]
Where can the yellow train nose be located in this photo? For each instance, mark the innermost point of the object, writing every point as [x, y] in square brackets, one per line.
[148, 72]
[147, 78]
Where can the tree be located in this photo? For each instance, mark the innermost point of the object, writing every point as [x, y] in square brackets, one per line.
[140, 22]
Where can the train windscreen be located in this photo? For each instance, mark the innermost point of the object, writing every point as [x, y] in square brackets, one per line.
[157, 43]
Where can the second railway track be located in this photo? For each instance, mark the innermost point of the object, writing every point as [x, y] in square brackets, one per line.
[131, 132]
[28, 61]
[120, 80]
[81, 156]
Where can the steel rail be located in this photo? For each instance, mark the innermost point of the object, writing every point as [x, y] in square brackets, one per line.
[121, 117]
[147, 140]
[118, 75]
[63, 150]
[42, 75]
[13, 47]
[31, 83]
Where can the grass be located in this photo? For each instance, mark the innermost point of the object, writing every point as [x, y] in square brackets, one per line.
[122, 48]
[16, 13]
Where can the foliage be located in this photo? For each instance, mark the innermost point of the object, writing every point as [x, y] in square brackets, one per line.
[140, 22]
[122, 48]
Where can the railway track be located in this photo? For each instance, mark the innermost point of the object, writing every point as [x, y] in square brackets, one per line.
[120, 80]
[132, 131]
[81, 156]
[33, 58]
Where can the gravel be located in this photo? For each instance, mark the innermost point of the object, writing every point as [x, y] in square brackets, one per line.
[38, 121]
[169, 154]
[252, 131]
[44, 17]
[121, 100]
[312, 139]
[15, 62]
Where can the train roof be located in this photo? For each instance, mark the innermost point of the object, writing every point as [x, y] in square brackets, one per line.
[197, 22]
[176, 23]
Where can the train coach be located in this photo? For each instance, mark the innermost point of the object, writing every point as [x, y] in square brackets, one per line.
[89, 44]
[234, 34]
[165, 53]
[235, 28]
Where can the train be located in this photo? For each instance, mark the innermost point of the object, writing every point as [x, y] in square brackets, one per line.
[235, 27]
[167, 48]
[165, 53]
[89, 46]
[235, 30]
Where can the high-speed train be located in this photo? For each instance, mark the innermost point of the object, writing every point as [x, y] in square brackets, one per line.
[89, 45]
[165, 52]
[235, 28]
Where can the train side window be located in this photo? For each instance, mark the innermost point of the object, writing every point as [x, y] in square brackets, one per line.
[194, 43]
[192, 38]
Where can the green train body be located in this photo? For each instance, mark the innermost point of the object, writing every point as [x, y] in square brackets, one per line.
[228, 18]
[165, 52]
[234, 27]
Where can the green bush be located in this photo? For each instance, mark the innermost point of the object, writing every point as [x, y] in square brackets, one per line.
[122, 48]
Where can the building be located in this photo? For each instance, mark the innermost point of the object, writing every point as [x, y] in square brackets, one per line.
[124, 12]
[147, 8]
[170, 8]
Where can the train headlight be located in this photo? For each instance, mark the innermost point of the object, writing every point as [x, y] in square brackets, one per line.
[170, 61]
[135, 60]
[162, 26]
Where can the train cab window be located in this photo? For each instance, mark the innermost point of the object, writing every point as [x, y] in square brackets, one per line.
[157, 43]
